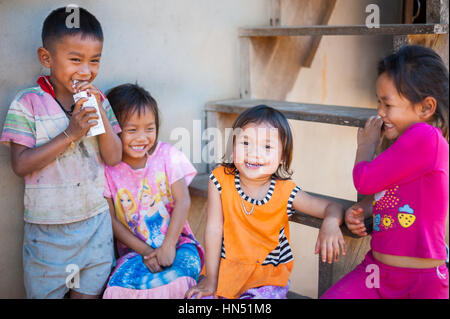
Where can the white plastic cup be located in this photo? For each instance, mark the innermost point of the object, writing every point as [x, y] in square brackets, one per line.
[91, 102]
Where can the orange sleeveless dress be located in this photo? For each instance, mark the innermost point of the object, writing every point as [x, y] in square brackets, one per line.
[255, 247]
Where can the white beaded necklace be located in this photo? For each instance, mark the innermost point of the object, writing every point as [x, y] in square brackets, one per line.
[246, 212]
[245, 209]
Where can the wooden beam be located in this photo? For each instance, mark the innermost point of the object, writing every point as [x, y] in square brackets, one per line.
[199, 187]
[399, 41]
[244, 49]
[325, 277]
[408, 8]
[307, 220]
[331, 114]
[355, 30]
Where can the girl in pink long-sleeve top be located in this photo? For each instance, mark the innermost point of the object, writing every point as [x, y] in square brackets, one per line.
[407, 184]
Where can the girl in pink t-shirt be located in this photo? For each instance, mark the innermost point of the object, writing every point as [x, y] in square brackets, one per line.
[149, 202]
[407, 184]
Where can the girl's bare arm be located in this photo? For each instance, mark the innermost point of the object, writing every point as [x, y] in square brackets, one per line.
[318, 207]
[213, 232]
[25, 160]
[124, 235]
[330, 242]
[166, 253]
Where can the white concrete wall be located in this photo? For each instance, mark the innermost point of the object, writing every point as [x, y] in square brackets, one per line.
[184, 52]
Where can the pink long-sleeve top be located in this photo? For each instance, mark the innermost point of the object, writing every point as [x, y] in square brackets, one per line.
[410, 181]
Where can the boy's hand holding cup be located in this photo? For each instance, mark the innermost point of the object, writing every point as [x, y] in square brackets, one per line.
[82, 119]
[85, 91]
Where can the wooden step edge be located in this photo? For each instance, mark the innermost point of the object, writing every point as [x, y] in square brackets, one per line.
[307, 220]
[321, 113]
[294, 295]
[342, 30]
[199, 187]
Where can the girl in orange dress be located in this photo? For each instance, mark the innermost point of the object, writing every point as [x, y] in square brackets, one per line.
[250, 199]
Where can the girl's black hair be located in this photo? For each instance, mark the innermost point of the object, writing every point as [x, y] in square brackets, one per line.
[265, 114]
[55, 26]
[127, 99]
[419, 72]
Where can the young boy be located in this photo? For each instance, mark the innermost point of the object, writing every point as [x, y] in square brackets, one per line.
[68, 241]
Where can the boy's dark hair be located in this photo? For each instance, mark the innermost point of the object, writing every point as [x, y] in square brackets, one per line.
[54, 27]
[265, 114]
[419, 72]
[128, 98]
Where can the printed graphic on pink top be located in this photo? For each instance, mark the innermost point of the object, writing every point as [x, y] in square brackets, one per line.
[147, 216]
[387, 212]
[412, 194]
[142, 198]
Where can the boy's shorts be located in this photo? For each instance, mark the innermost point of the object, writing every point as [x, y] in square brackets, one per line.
[76, 256]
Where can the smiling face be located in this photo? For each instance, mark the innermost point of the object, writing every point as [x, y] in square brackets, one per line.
[396, 111]
[257, 151]
[126, 202]
[147, 200]
[138, 136]
[73, 57]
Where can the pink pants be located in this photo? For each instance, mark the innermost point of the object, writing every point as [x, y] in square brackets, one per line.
[374, 280]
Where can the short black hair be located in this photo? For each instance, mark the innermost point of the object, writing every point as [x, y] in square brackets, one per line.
[419, 72]
[55, 26]
[265, 114]
[128, 98]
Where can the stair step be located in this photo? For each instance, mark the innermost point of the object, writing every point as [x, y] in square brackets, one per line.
[294, 295]
[331, 114]
[313, 30]
[199, 187]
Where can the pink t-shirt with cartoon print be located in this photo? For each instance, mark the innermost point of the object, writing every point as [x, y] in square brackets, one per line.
[142, 198]
[410, 181]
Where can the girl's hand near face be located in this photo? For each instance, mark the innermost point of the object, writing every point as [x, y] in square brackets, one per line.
[370, 135]
[368, 139]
